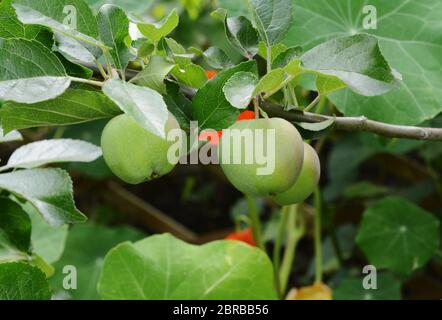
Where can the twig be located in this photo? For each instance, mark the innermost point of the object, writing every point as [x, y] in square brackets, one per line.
[358, 124]
[361, 123]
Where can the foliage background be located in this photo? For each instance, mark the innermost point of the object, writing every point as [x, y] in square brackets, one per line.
[370, 184]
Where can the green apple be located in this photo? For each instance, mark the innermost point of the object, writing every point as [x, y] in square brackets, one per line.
[134, 154]
[282, 146]
[307, 181]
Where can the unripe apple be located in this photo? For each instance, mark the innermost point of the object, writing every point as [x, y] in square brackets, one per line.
[253, 176]
[307, 181]
[134, 154]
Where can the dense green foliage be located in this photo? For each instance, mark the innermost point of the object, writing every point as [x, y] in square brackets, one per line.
[81, 79]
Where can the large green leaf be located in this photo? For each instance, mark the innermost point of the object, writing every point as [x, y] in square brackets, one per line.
[10, 27]
[86, 246]
[113, 26]
[21, 281]
[239, 89]
[271, 81]
[39, 153]
[153, 75]
[47, 241]
[35, 75]
[272, 19]
[191, 75]
[163, 267]
[217, 59]
[210, 107]
[388, 288]
[73, 50]
[235, 8]
[179, 105]
[398, 235]
[357, 61]
[240, 32]
[71, 18]
[72, 107]
[135, 6]
[15, 231]
[145, 105]
[50, 193]
[409, 37]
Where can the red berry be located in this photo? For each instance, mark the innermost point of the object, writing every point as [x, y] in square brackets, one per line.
[246, 115]
[209, 136]
[211, 74]
[245, 236]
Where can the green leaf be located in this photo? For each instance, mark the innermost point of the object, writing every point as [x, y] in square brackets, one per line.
[156, 31]
[217, 59]
[174, 51]
[15, 231]
[71, 18]
[315, 130]
[36, 74]
[135, 6]
[145, 105]
[145, 50]
[284, 58]
[153, 75]
[388, 288]
[75, 69]
[364, 190]
[271, 81]
[113, 26]
[39, 153]
[72, 107]
[409, 39]
[328, 84]
[276, 50]
[191, 75]
[239, 89]
[10, 137]
[398, 235]
[73, 50]
[234, 8]
[50, 193]
[21, 281]
[240, 32]
[10, 27]
[86, 246]
[210, 107]
[163, 267]
[179, 105]
[272, 19]
[48, 242]
[357, 61]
